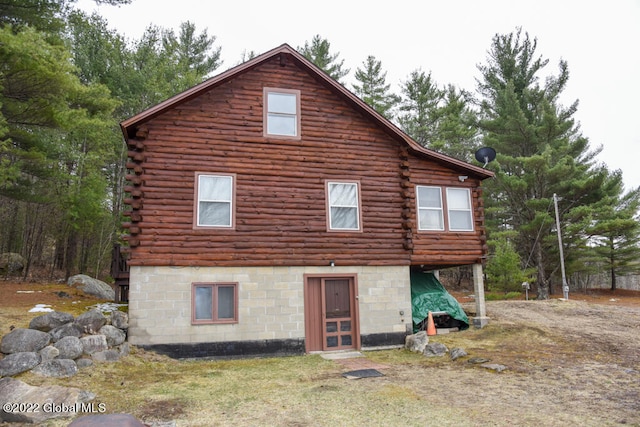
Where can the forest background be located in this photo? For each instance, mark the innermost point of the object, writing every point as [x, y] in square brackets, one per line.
[67, 80]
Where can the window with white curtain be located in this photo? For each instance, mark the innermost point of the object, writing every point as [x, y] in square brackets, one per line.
[430, 216]
[459, 209]
[343, 209]
[432, 205]
[214, 201]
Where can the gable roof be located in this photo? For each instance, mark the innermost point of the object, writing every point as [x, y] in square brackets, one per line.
[287, 53]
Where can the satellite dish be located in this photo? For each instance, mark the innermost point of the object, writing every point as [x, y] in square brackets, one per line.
[485, 155]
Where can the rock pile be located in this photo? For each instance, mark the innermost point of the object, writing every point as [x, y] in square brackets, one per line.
[56, 344]
[419, 343]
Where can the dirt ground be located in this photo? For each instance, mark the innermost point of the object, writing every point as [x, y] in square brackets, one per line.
[574, 362]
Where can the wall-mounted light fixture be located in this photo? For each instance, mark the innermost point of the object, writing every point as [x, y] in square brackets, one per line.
[332, 263]
[462, 178]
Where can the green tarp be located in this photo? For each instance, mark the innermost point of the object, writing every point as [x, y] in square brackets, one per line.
[428, 294]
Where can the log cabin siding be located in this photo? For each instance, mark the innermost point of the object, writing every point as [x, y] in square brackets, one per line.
[446, 249]
[280, 197]
[280, 210]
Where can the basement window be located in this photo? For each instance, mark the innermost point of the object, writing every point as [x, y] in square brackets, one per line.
[214, 303]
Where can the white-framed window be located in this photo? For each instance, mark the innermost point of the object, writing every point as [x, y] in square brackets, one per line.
[459, 209]
[430, 208]
[214, 303]
[432, 205]
[343, 208]
[282, 112]
[214, 200]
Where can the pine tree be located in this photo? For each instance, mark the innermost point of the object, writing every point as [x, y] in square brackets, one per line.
[541, 151]
[438, 118]
[373, 88]
[420, 107]
[456, 131]
[193, 56]
[615, 229]
[59, 131]
[318, 52]
[504, 267]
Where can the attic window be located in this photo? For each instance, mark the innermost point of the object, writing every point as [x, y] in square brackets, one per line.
[282, 113]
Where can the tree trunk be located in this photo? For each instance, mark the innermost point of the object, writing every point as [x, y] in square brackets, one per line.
[70, 253]
[543, 283]
[32, 235]
[613, 279]
[12, 241]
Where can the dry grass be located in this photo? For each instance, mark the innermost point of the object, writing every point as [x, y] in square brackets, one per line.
[293, 391]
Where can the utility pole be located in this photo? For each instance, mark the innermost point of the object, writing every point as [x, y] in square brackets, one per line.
[565, 286]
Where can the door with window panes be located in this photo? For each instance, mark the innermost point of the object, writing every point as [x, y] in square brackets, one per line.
[330, 313]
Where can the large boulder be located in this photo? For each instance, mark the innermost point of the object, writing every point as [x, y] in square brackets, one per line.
[51, 401]
[92, 286]
[435, 349]
[11, 262]
[16, 363]
[66, 330]
[416, 342]
[59, 368]
[114, 335]
[49, 352]
[94, 343]
[120, 319]
[50, 321]
[91, 321]
[69, 348]
[24, 340]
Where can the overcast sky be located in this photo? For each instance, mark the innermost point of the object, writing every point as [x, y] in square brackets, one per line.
[449, 38]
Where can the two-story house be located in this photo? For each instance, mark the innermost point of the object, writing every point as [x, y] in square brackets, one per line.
[273, 211]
